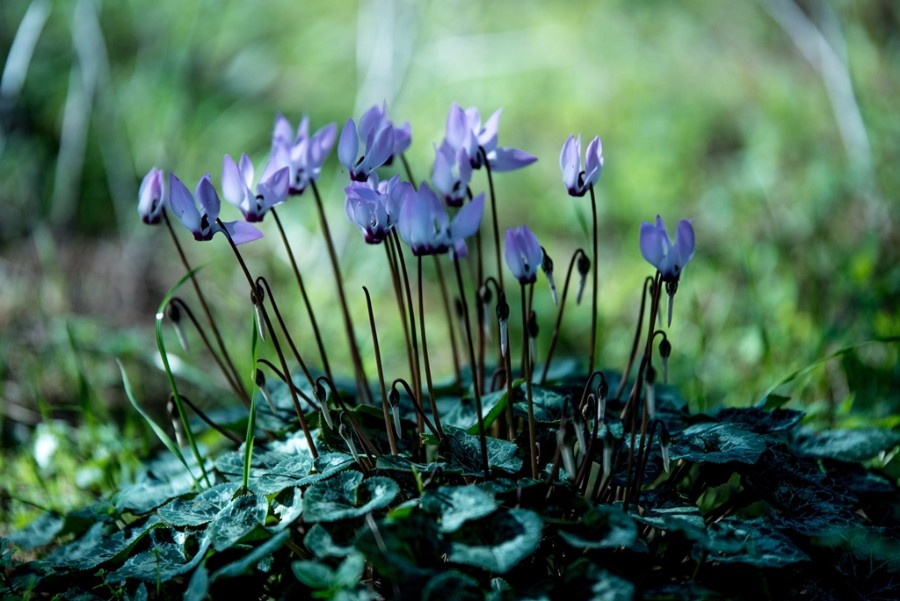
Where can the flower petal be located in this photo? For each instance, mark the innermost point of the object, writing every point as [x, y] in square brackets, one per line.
[182, 204]
[468, 219]
[233, 188]
[208, 198]
[242, 232]
[652, 246]
[348, 145]
[456, 126]
[510, 159]
[684, 242]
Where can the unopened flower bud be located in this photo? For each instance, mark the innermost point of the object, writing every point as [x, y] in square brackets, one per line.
[664, 447]
[584, 267]
[172, 411]
[174, 314]
[502, 308]
[260, 378]
[671, 288]
[547, 267]
[151, 197]
[665, 350]
[651, 391]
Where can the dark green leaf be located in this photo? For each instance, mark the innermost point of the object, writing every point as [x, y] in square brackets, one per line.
[39, 532]
[464, 451]
[713, 442]
[251, 559]
[602, 527]
[237, 519]
[459, 504]
[98, 545]
[452, 586]
[847, 445]
[749, 542]
[347, 495]
[313, 574]
[322, 544]
[287, 507]
[463, 414]
[167, 559]
[548, 404]
[201, 509]
[198, 587]
[761, 421]
[505, 539]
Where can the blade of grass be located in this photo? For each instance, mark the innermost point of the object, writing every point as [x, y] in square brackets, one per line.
[160, 343]
[160, 433]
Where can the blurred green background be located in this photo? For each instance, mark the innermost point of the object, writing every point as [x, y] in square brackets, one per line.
[773, 124]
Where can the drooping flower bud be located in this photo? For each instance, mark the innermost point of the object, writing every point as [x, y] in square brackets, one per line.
[665, 350]
[394, 401]
[172, 412]
[503, 318]
[260, 379]
[547, 267]
[174, 314]
[584, 267]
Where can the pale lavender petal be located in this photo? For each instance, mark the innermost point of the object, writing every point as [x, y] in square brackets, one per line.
[512, 254]
[151, 197]
[652, 246]
[242, 232]
[402, 138]
[460, 250]
[684, 242]
[182, 204]
[247, 171]
[303, 129]
[323, 140]
[468, 219]
[372, 121]
[348, 145]
[510, 159]
[282, 133]
[274, 189]
[208, 198]
[442, 172]
[380, 150]
[456, 126]
[487, 137]
[662, 232]
[233, 188]
[570, 162]
[593, 161]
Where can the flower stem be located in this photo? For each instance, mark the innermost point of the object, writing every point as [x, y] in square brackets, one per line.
[431, 399]
[450, 329]
[401, 305]
[465, 305]
[306, 303]
[212, 322]
[209, 422]
[384, 400]
[490, 177]
[235, 386]
[261, 281]
[417, 374]
[418, 409]
[559, 315]
[594, 271]
[361, 382]
[532, 446]
[648, 281]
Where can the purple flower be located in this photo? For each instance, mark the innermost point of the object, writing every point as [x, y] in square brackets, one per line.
[659, 251]
[237, 182]
[302, 154]
[465, 132]
[152, 197]
[452, 173]
[375, 206]
[425, 226]
[202, 223]
[578, 182]
[523, 254]
[383, 141]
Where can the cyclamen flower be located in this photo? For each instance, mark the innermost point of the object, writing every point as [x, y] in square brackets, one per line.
[383, 140]
[578, 182]
[465, 132]
[659, 251]
[452, 173]
[151, 197]
[375, 206]
[202, 222]
[302, 154]
[425, 226]
[523, 254]
[237, 181]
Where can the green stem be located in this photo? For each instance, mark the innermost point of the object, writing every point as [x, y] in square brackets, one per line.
[306, 303]
[431, 399]
[532, 446]
[384, 399]
[362, 382]
[202, 298]
[559, 315]
[465, 305]
[594, 271]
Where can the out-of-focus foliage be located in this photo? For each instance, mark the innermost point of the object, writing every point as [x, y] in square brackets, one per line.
[772, 123]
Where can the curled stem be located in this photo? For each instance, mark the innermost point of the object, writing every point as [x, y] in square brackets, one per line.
[559, 315]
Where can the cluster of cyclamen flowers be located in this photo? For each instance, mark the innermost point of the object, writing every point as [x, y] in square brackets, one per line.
[385, 209]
